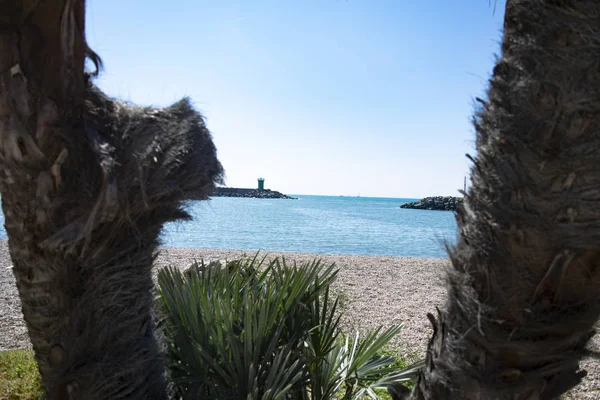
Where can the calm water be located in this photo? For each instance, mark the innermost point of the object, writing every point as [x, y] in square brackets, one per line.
[313, 224]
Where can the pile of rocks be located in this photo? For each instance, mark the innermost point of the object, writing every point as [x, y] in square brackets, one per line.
[250, 193]
[442, 203]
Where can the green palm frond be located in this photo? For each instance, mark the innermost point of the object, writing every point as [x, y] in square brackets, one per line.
[403, 375]
[355, 366]
[271, 331]
[235, 330]
[393, 377]
[364, 361]
[322, 355]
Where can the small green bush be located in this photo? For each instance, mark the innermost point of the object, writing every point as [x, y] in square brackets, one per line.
[19, 376]
[250, 330]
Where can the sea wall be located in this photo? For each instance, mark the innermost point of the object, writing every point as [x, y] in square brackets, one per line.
[249, 193]
[441, 203]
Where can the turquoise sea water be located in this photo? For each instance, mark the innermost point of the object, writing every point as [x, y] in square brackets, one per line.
[313, 224]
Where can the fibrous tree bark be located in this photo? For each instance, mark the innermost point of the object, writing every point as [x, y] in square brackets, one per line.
[524, 286]
[87, 182]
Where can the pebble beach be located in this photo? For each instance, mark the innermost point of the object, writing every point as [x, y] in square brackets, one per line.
[377, 290]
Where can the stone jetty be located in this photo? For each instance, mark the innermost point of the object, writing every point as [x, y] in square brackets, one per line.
[441, 203]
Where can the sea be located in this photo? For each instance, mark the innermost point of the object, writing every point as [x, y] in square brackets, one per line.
[313, 224]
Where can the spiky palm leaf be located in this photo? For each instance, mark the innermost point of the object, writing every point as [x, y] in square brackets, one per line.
[336, 365]
[321, 350]
[392, 380]
[235, 330]
[363, 364]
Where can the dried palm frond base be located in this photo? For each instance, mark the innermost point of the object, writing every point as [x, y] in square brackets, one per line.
[524, 287]
[87, 182]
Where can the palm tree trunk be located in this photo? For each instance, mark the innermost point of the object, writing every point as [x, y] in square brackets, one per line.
[524, 287]
[87, 183]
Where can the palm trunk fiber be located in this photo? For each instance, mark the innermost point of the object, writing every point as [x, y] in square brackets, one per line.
[87, 183]
[524, 286]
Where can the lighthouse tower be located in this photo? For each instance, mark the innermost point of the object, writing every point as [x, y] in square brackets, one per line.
[261, 183]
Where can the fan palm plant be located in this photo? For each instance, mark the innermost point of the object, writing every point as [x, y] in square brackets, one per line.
[355, 368]
[234, 330]
[246, 330]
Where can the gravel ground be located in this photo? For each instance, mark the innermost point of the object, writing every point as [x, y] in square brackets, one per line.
[378, 291]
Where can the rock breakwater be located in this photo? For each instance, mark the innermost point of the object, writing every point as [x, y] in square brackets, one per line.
[441, 203]
[249, 193]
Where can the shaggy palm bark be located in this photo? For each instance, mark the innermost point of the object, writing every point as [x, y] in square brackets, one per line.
[87, 183]
[524, 285]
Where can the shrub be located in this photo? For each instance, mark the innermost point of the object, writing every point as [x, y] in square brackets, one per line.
[255, 330]
[19, 376]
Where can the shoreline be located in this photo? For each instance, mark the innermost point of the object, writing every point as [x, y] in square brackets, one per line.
[212, 250]
[377, 290]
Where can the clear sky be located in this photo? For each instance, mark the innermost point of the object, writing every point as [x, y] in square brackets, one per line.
[334, 97]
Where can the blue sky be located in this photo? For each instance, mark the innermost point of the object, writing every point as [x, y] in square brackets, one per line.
[335, 97]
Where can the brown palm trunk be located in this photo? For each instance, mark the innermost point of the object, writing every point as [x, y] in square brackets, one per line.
[525, 283]
[87, 183]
